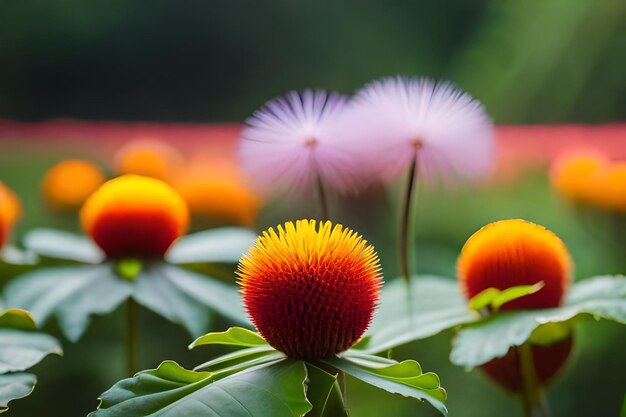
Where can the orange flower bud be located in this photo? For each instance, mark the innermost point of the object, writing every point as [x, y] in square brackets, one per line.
[149, 158]
[10, 212]
[66, 186]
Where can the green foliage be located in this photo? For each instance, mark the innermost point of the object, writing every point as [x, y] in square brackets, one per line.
[20, 349]
[58, 244]
[270, 390]
[225, 244]
[405, 378]
[14, 387]
[430, 305]
[324, 393]
[235, 336]
[478, 343]
[262, 381]
[74, 293]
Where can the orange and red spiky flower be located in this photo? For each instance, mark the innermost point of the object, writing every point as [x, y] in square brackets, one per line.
[510, 253]
[134, 216]
[66, 186]
[10, 212]
[311, 290]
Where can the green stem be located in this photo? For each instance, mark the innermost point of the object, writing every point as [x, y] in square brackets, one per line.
[323, 200]
[341, 379]
[405, 224]
[132, 336]
[532, 395]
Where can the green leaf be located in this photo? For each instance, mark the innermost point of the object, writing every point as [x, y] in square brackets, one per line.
[235, 336]
[514, 293]
[63, 245]
[550, 333]
[478, 343]
[223, 298]
[16, 256]
[405, 378]
[436, 305]
[483, 299]
[72, 294]
[17, 318]
[324, 393]
[20, 349]
[269, 390]
[495, 298]
[15, 386]
[157, 289]
[241, 359]
[225, 244]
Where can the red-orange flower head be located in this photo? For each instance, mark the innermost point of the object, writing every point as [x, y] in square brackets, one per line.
[510, 253]
[134, 216]
[10, 212]
[311, 290]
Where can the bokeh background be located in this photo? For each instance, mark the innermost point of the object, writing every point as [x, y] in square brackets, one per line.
[158, 61]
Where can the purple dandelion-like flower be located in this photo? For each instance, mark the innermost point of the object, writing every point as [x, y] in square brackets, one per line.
[404, 120]
[297, 140]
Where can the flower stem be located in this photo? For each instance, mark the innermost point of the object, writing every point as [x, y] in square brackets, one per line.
[405, 225]
[323, 201]
[132, 336]
[532, 395]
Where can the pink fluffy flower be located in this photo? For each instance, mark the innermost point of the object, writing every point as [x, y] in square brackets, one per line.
[293, 142]
[443, 129]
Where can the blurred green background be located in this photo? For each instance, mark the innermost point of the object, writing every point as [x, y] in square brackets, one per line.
[189, 60]
[552, 61]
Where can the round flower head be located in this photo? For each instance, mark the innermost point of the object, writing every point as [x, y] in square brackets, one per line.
[134, 216]
[150, 158]
[292, 142]
[510, 253]
[67, 185]
[310, 290]
[405, 120]
[10, 212]
[576, 175]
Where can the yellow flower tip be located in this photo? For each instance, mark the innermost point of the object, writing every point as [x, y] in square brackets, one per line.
[576, 175]
[134, 216]
[610, 193]
[66, 185]
[149, 158]
[10, 212]
[222, 200]
[310, 289]
[511, 253]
